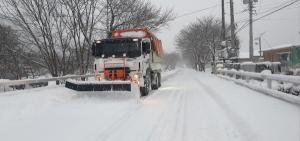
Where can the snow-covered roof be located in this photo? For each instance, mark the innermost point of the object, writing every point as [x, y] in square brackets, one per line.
[282, 46]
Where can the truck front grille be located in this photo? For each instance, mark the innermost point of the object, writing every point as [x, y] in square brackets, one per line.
[117, 73]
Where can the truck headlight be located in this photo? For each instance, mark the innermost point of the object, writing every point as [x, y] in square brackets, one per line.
[100, 77]
[136, 77]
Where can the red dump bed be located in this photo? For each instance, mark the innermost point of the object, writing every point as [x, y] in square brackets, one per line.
[140, 33]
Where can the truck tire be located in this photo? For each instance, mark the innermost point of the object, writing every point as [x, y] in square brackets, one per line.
[147, 85]
[143, 91]
[155, 81]
[159, 79]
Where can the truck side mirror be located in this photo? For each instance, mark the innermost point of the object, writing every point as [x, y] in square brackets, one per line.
[146, 47]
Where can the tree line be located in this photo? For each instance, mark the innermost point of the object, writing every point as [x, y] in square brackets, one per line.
[200, 41]
[56, 35]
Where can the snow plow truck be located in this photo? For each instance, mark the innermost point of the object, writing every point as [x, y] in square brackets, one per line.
[129, 58]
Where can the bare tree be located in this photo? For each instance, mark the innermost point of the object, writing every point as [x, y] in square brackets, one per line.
[8, 58]
[81, 18]
[124, 14]
[35, 18]
[199, 41]
[61, 32]
[15, 61]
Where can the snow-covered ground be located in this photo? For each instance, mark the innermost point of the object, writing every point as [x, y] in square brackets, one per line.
[190, 106]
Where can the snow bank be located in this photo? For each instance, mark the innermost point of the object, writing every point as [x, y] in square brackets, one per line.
[5, 88]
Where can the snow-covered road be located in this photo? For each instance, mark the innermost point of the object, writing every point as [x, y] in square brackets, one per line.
[190, 106]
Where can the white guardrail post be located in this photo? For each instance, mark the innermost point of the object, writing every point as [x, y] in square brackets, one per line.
[245, 77]
[269, 83]
[267, 77]
[5, 84]
[234, 76]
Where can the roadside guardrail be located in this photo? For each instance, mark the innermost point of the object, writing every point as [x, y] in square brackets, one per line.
[243, 78]
[5, 84]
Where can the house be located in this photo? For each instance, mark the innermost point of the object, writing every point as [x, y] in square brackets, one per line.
[288, 55]
[244, 57]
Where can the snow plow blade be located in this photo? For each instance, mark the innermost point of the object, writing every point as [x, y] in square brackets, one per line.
[97, 86]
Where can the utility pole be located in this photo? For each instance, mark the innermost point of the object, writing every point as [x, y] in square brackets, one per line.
[250, 4]
[259, 43]
[232, 27]
[259, 39]
[223, 22]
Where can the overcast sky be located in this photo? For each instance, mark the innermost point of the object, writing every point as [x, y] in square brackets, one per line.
[281, 28]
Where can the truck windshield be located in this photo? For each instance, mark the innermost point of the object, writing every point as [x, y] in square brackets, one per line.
[118, 48]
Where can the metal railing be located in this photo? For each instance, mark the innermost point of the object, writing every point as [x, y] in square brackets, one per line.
[243, 78]
[8, 83]
[268, 77]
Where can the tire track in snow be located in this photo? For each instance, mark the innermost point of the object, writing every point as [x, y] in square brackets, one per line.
[184, 120]
[238, 123]
[165, 119]
[178, 111]
[175, 127]
[164, 78]
[162, 123]
[119, 122]
[104, 135]
[180, 127]
[112, 125]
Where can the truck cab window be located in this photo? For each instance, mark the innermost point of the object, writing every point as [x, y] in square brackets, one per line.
[146, 47]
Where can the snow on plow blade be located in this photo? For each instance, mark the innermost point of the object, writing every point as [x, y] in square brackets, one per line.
[99, 86]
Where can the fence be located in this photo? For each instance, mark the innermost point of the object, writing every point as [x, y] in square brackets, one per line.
[247, 76]
[5, 84]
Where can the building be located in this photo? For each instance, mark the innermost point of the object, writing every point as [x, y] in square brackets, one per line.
[287, 55]
[244, 57]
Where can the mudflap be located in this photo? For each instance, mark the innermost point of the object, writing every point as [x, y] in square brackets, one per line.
[97, 87]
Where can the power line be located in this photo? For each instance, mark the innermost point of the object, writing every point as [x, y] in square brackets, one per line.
[197, 11]
[246, 20]
[242, 27]
[250, 5]
[268, 14]
[275, 7]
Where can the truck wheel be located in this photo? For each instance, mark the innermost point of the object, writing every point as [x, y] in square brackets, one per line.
[159, 79]
[155, 81]
[147, 85]
[143, 91]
